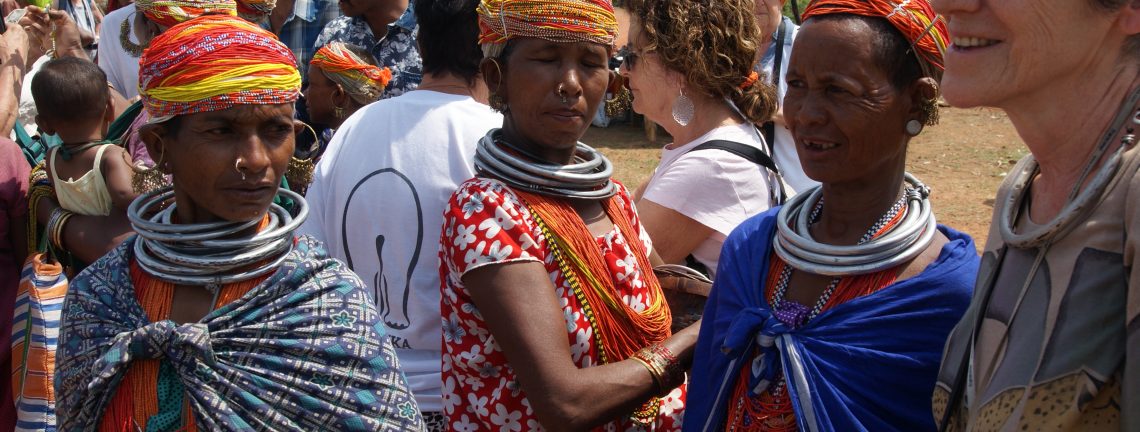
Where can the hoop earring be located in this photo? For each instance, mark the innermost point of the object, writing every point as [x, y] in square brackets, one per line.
[299, 172]
[683, 109]
[495, 100]
[620, 103]
[145, 180]
[132, 49]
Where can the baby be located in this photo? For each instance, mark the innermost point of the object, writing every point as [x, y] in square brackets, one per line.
[74, 102]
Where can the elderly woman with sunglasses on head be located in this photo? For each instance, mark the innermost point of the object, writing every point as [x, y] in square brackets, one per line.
[552, 316]
[690, 70]
[830, 312]
[1052, 339]
[216, 317]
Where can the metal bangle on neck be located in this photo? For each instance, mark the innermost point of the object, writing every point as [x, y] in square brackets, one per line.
[589, 177]
[207, 254]
[1083, 198]
[903, 242]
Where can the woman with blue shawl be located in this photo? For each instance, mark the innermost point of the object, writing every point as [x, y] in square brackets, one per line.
[830, 313]
[216, 317]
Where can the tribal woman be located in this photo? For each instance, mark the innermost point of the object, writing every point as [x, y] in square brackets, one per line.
[552, 316]
[342, 78]
[216, 317]
[829, 313]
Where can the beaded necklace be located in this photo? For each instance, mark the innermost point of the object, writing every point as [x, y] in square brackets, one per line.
[772, 410]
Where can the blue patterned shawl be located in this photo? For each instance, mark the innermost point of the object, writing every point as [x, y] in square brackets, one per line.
[868, 364]
[302, 351]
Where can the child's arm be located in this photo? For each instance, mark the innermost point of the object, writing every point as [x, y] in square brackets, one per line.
[117, 173]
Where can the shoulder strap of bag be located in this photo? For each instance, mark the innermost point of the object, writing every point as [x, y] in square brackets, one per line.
[769, 127]
[745, 151]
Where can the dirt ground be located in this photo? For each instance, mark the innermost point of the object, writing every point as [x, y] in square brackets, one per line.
[963, 159]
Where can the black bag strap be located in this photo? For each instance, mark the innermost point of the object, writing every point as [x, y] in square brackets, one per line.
[745, 151]
[769, 127]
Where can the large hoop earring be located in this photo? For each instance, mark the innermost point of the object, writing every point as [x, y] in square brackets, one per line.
[299, 173]
[144, 180]
[132, 49]
[495, 100]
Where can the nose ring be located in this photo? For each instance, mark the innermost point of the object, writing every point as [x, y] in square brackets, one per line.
[237, 162]
[562, 94]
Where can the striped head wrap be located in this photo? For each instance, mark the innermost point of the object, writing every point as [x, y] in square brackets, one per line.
[915, 19]
[362, 81]
[561, 21]
[255, 10]
[167, 13]
[213, 63]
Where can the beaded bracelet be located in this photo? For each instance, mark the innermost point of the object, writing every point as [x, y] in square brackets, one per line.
[662, 365]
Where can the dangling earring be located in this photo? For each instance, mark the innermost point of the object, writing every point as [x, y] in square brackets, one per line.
[913, 128]
[132, 49]
[930, 111]
[683, 109]
[338, 112]
[620, 103]
[144, 180]
[299, 173]
[497, 103]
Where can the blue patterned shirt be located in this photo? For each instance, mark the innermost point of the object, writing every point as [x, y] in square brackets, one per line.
[397, 50]
[301, 29]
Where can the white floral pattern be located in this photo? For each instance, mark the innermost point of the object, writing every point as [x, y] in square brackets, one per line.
[492, 226]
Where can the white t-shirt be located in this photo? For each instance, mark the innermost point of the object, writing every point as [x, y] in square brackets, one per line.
[377, 201]
[714, 187]
[121, 68]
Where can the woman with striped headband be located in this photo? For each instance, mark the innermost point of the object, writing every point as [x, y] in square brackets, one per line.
[342, 79]
[552, 316]
[216, 317]
[829, 313]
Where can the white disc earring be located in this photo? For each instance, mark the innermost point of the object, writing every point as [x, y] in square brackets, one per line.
[913, 127]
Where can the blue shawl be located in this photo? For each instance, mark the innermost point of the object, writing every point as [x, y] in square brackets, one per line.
[865, 365]
[301, 351]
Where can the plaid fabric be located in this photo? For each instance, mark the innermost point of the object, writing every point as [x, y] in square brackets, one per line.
[396, 51]
[302, 351]
[301, 29]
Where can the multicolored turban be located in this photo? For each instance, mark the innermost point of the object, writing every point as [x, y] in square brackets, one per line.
[561, 21]
[213, 63]
[915, 19]
[255, 10]
[168, 13]
[362, 81]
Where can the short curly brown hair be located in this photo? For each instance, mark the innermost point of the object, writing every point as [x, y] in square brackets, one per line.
[713, 43]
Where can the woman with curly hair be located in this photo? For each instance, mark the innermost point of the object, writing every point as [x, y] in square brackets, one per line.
[690, 70]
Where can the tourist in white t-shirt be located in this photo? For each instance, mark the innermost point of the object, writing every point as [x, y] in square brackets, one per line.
[380, 189]
[700, 89]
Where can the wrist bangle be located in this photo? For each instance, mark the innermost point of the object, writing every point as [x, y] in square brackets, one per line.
[662, 365]
[55, 225]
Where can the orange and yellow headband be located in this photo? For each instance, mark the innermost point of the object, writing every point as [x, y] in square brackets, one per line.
[168, 13]
[364, 82]
[213, 63]
[915, 19]
[562, 21]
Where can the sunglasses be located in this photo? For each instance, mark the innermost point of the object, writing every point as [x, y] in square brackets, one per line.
[629, 58]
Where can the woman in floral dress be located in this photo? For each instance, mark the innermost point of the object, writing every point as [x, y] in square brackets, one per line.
[552, 316]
